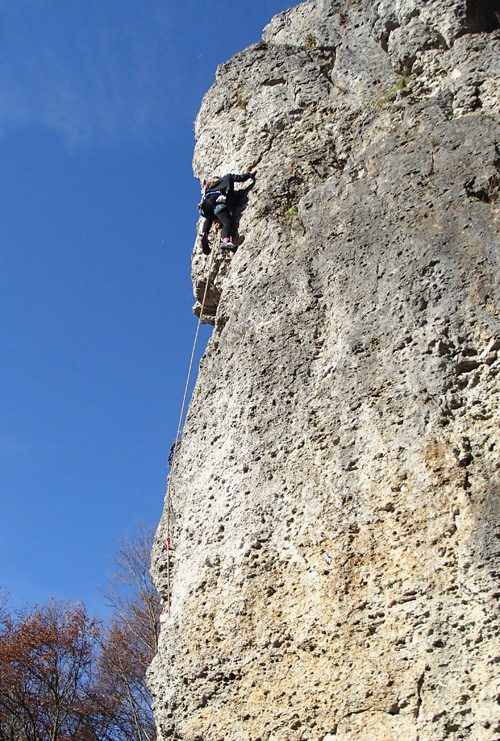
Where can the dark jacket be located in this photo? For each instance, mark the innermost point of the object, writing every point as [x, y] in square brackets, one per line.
[223, 186]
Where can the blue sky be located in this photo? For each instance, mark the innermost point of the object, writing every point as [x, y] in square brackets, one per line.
[97, 222]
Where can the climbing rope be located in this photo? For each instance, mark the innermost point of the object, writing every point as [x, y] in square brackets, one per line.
[167, 541]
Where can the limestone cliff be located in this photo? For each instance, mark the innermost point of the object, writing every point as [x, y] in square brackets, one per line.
[335, 505]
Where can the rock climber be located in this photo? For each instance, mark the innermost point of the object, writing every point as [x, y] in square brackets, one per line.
[216, 203]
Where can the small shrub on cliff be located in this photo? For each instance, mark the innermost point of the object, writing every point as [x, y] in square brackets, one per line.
[391, 96]
[242, 102]
[310, 42]
[292, 216]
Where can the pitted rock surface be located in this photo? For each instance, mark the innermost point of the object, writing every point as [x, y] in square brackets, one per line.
[336, 498]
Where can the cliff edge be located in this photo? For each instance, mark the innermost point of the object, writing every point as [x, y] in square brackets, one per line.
[335, 505]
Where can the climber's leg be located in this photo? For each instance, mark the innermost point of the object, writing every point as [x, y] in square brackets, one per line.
[207, 224]
[225, 219]
[204, 244]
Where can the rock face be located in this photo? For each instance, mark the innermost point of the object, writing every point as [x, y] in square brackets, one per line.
[336, 498]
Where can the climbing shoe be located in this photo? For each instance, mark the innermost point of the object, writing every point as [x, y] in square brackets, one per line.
[204, 245]
[228, 246]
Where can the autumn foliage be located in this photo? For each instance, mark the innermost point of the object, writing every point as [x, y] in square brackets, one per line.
[64, 675]
[47, 661]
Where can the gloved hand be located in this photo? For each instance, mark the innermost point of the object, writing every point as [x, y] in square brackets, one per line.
[221, 199]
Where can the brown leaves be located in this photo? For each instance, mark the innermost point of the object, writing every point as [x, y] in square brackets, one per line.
[64, 675]
[46, 666]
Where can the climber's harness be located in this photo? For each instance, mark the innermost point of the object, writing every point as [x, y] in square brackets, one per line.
[220, 203]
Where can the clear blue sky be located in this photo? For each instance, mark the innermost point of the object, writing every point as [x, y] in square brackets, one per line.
[97, 223]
